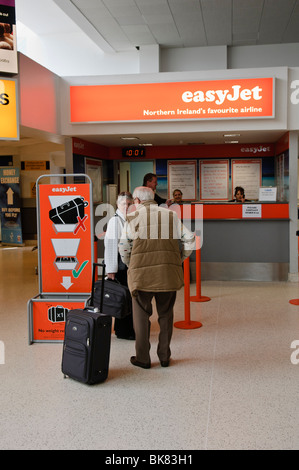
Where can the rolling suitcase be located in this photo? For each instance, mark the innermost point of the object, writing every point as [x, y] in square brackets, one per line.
[86, 347]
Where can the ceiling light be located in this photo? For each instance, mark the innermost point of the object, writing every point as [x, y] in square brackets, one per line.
[231, 135]
[231, 142]
[145, 145]
[130, 138]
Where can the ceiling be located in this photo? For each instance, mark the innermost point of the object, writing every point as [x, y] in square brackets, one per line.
[124, 25]
[121, 25]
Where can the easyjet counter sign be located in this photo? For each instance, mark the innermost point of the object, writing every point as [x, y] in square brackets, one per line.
[9, 128]
[218, 99]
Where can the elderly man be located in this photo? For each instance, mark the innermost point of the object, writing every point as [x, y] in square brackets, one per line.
[149, 246]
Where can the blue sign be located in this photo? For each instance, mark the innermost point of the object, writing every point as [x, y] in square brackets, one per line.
[11, 227]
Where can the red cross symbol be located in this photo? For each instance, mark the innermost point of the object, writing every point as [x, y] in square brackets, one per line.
[80, 224]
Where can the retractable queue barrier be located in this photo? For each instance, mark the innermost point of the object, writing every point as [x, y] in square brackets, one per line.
[198, 297]
[187, 324]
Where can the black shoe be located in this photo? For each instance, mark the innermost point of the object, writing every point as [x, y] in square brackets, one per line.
[164, 363]
[139, 364]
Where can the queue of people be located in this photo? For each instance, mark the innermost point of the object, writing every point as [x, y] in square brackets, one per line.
[151, 266]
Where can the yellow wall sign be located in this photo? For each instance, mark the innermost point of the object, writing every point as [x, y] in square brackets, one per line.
[41, 165]
[9, 116]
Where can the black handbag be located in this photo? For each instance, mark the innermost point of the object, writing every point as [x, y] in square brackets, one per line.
[117, 300]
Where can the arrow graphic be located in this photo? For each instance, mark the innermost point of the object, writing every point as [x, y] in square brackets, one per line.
[10, 194]
[66, 282]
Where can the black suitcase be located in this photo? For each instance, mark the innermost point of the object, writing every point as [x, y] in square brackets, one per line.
[87, 340]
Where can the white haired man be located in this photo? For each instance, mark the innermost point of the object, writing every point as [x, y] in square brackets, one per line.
[149, 246]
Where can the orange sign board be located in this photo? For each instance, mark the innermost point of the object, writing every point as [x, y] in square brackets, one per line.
[9, 123]
[48, 318]
[66, 243]
[218, 99]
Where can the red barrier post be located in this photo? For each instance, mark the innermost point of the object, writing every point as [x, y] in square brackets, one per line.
[198, 297]
[187, 323]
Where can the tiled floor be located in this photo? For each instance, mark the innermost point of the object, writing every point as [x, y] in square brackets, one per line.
[231, 384]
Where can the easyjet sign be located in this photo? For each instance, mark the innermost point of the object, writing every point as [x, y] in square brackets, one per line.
[218, 99]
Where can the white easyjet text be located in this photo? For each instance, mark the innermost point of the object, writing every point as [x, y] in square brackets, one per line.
[219, 96]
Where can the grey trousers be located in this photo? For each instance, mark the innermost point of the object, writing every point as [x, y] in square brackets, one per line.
[142, 310]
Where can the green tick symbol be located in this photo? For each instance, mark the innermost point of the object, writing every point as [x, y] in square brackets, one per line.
[77, 273]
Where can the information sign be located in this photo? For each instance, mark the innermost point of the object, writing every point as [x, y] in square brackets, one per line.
[65, 238]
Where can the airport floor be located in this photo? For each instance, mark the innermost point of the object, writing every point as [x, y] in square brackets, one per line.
[232, 384]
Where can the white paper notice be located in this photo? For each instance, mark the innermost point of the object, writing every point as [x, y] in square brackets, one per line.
[214, 180]
[251, 211]
[247, 173]
[182, 175]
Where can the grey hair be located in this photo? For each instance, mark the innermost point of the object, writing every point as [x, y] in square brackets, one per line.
[124, 195]
[143, 193]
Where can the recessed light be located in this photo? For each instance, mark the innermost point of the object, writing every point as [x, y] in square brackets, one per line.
[231, 135]
[231, 142]
[130, 138]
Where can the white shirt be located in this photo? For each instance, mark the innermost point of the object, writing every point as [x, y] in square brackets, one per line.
[112, 236]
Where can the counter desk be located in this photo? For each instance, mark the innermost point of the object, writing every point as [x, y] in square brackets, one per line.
[243, 241]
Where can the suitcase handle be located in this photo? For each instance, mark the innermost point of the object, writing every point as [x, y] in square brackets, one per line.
[93, 283]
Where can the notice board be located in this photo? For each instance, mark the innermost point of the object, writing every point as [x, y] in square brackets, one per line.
[214, 180]
[182, 175]
[248, 174]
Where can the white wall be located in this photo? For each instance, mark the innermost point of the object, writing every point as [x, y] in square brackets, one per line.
[193, 58]
[277, 55]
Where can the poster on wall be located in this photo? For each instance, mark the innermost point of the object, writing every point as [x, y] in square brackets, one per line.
[9, 115]
[93, 168]
[214, 179]
[11, 227]
[248, 174]
[182, 175]
[8, 44]
[280, 172]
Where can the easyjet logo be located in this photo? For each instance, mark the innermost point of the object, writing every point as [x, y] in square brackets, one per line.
[219, 96]
[254, 150]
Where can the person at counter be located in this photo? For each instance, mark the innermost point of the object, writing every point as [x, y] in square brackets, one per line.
[150, 181]
[239, 195]
[177, 196]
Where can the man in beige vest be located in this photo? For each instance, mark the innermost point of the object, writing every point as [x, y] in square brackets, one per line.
[150, 247]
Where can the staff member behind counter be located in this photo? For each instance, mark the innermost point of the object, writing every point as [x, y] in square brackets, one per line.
[239, 195]
[150, 181]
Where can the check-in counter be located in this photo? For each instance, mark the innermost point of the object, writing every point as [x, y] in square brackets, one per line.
[248, 241]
